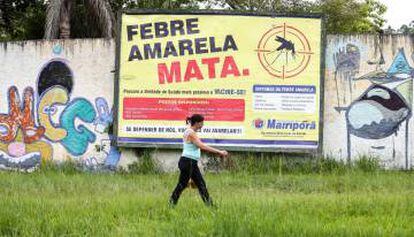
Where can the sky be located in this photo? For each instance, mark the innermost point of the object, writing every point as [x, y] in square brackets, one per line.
[399, 12]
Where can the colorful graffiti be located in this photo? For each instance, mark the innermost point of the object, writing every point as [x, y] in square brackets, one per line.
[18, 155]
[78, 137]
[47, 108]
[30, 131]
[24, 143]
[20, 144]
[105, 156]
[105, 116]
[20, 117]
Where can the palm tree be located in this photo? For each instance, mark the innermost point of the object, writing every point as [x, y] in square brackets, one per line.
[58, 18]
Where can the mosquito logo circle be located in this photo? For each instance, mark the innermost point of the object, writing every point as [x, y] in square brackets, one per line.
[284, 51]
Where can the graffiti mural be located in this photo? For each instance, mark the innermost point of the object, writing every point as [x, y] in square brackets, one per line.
[20, 116]
[20, 144]
[105, 156]
[377, 114]
[347, 63]
[104, 118]
[53, 123]
[24, 144]
[368, 94]
[385, 105]
[47, 108]
[55, 73]
[78, 137]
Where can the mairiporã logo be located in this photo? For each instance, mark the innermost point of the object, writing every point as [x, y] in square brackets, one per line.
[258, 123]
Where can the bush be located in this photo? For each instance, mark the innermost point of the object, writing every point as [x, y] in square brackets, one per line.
[367, 164]
[260, 163]
[145, 163]
[66, 167]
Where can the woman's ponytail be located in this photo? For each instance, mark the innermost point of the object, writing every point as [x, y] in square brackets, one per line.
[188, 120]
[195, 118]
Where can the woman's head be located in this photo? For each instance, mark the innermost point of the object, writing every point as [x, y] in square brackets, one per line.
[196, 120]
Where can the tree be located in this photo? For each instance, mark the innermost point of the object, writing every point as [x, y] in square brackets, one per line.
[75, 18]
[27, 19]
[390, 30]
[60, 12]
[154, 4]
[343, 16]
[280, 6]
[407, 29]
[21, 19]
[351, 16]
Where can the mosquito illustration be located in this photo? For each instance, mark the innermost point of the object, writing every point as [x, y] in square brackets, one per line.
[285, 47]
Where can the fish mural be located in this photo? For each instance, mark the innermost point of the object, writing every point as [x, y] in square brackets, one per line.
[384, 106]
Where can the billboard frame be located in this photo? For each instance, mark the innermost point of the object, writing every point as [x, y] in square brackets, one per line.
[314, 151]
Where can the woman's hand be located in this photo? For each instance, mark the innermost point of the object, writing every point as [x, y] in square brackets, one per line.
[224, 153]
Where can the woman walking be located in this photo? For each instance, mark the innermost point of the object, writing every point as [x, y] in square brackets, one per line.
[192, 146]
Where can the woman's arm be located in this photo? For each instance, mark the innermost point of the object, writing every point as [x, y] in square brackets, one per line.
[196, 140]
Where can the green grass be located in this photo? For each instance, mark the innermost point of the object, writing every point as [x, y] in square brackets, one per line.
[69, 203]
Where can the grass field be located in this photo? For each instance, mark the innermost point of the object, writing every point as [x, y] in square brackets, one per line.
[354, 203]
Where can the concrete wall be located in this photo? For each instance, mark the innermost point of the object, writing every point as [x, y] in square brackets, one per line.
[368, 98]
[56, 101]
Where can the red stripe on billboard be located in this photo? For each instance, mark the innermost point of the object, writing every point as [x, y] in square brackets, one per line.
[231, 110]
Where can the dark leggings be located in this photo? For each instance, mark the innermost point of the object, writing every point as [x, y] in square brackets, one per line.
[189, 169]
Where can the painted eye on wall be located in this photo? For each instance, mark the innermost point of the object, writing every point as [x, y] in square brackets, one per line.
[46, 109]
[379, 92]
[50, 110]
[4, 129]
[377, 114]
[30, 132]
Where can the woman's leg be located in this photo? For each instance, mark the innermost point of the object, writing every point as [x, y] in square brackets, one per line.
[201, 184]
[185, 173]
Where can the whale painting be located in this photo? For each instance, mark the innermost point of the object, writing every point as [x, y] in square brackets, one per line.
[384, 106]
[377, 114]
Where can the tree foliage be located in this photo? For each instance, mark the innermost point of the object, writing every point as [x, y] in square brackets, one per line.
[351, 16]
[407, 29]
[26, 19]
[342, 16]
[22, 19]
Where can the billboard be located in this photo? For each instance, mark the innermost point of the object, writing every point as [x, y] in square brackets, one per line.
[255, 78]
